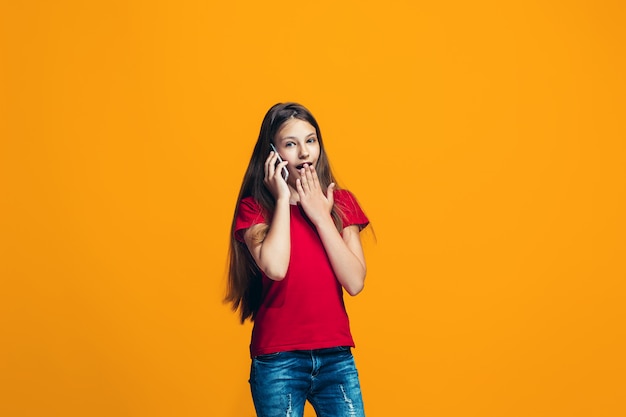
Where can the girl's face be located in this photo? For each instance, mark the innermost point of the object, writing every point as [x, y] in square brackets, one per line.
[297, 143]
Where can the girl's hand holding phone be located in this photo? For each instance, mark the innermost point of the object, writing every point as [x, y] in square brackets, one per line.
[315, 203]
[283, 170]
[274, 180]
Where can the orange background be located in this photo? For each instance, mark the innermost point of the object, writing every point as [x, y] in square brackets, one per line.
[485, 139]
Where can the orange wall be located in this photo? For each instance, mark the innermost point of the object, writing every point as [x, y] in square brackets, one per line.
[485, 139]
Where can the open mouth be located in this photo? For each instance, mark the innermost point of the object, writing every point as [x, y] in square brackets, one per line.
[302, 165]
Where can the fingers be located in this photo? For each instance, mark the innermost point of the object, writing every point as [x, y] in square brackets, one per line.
[303, 184]
[273, 180]
[270, 168]
[278, 169]
[309, 183]
[270, 165]
[313, 174]
[308, 178]
[330, 193]
[317, 204]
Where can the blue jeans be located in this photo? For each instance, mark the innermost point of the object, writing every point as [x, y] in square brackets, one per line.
[282, 382]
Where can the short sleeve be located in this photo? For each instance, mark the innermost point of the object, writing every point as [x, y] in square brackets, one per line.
[248, 214]
[350, 210]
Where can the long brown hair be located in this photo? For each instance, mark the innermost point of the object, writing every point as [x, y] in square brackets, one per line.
[244, 276]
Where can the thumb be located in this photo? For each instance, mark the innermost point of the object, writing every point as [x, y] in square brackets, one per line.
[329, 193]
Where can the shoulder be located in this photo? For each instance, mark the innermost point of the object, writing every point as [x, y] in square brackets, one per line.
[249, 212]
[251, 207]
[344, 196]
[349, 208]
[250, 202]
[345, 200]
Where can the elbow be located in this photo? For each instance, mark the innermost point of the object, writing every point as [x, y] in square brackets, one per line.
[276, 269]
[356, 287]
[276, 274]
[276, 277]
[355, 290]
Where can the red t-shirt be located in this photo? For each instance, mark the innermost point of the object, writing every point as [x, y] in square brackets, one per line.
[305, 310]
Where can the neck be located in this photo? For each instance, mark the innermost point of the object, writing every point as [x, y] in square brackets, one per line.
[294, 198]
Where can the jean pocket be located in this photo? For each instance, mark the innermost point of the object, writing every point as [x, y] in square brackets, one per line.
[340, 350]
[267, 357]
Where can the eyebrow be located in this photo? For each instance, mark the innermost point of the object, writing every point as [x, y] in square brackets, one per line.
[294, 137]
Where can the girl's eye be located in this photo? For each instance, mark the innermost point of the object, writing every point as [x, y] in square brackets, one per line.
[312, 140]
[289, 144]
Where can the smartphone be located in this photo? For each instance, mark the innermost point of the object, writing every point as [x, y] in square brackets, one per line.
[284, 171]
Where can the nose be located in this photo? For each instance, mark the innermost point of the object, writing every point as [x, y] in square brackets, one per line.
[304, 152]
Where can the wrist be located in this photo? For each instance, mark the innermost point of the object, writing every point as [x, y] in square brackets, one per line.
[322, 221]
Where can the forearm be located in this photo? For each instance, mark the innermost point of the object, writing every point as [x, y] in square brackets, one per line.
[273, 254]
[347, 262]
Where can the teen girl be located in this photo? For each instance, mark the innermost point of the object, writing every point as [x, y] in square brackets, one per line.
[295, 247]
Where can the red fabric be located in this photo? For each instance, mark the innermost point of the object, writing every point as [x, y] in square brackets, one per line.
[305, 310]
